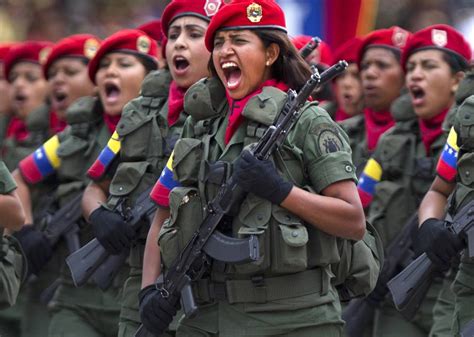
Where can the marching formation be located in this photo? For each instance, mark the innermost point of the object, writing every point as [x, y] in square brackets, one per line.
[206, 174]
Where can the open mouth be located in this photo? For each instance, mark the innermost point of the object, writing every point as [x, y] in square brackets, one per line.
[180, 63]
[20, 98]
[59, 97]
[112, 90]
[418, 94]
[232, 74]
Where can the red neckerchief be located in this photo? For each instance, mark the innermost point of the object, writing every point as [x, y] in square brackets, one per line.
[376, 123]
[17, 129]
[55, 124]
[431, 128]
[341, 115]
[111, 122]
[175, 102]
[237, 106]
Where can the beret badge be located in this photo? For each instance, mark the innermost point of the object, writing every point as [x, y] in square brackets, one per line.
[90, 48]
[143, 44]
[439, 37]
[254, 12]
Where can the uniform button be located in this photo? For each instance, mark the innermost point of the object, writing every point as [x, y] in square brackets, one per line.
[294, 234]
[120, 188]
[259, 217]
[468, 173]
[348, 168]
[262, 105]
[121, 126]
[195, 96]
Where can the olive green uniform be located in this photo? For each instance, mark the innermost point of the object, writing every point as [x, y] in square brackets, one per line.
[289, 291]
[4, 122]
[12, 265]
[85, 311]
[463, 286]
[407, 174]
[355, 130]
[146, 143]
[29, 317]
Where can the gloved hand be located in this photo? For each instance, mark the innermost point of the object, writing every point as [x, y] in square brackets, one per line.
[261, 178]
[36, 246]
[111, 230]
[439, 243]
[157, 312]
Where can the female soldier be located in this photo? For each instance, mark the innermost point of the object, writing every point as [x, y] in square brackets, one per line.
[29, 90]
[12, 266]
[117, 66]
[289, 290]
[148, 130]
[6, 108]
[403, 165]
[382, 80]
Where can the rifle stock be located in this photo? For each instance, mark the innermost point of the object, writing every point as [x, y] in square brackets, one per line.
[182, 271]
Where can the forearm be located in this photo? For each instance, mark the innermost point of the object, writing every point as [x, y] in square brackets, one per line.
[330, 214]
[151, 257]
[24, 196]
[94, 195]
[434, 203]
[12, 213]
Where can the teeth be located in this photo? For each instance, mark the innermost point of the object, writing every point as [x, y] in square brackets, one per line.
[229, 65]
[180, 58]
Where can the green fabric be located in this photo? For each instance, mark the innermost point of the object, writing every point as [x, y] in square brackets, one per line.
[7, 183]
[355, 130]
[12, 271]
[4, 122]
[443, 310]
[463, 288]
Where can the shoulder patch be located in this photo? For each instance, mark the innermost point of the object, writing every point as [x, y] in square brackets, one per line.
[328, 138]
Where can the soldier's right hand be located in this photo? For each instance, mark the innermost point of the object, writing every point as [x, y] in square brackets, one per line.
[156, 311]
[36, 247]
[111, 230]
[440, 244]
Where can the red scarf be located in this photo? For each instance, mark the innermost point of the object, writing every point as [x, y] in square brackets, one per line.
[431, 128]
[17, 129]
[175, 102]
[376, 123]
[55, 124]
[111, 122]
[341, 115]
[237, 106]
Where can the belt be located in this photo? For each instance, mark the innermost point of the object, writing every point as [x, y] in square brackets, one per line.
[262, 289]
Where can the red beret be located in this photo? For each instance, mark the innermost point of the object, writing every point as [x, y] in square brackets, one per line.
[203, 9]
[348, 50]
[130, 41]
[153, 30]
[4, 49]
[442, 37]
[29, 51]
[246, 14]
[325, 53]
[393, 38]
[80, 45]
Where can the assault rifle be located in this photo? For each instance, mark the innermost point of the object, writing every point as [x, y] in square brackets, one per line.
[310, 46]
[410, 286]
[93, 260]
[468, 330]
[360, 311]
[193, 260]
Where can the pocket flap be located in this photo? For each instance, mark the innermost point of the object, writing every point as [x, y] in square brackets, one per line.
[285, 217]
[186, 159]
[178, 197]
[255, 212]
[133, 117]
[127, 177]
[294, 236]
[71, 145]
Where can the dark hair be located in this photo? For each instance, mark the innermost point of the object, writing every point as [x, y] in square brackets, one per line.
[289, 68]
[454, 61]
[147, 63]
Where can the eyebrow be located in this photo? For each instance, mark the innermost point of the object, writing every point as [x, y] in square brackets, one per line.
[189, 27]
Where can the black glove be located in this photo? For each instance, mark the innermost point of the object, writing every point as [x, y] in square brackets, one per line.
[36, 246]
[439, 243]
[157, 312]
[261, 178]
[111, 230]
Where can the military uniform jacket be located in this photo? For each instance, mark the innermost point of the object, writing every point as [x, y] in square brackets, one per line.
[315, 155]
[355, 130]
[406, 175]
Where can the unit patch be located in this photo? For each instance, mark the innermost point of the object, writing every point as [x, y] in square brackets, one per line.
[328, 138]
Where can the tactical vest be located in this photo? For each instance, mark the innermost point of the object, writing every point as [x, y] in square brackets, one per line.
[202, 162]
[407, 174]
[37, 124]
[465, 89]
[146, 144]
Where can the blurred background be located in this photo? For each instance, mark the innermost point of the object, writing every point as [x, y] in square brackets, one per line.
[333, 20]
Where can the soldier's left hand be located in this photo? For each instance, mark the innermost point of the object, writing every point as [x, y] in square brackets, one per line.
[36, 247]
[261, 178]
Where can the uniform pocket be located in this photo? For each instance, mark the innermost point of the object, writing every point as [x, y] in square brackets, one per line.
[186, 217]
[128, 177]
[289, 242]
[72, 154]
[186, 161]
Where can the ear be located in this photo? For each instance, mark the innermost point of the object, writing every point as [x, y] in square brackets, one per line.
[272, 53]
[457, 78]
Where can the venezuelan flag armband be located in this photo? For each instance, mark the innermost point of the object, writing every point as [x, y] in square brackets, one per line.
[447, 163]
[369, 178]
[160, 193]
[106, 157]
[41, 163]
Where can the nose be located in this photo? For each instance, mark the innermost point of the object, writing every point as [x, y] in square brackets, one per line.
[112, 69]
[180, 42]
[415, 73]
[58, 78]
[226, 48]
[370, 72]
